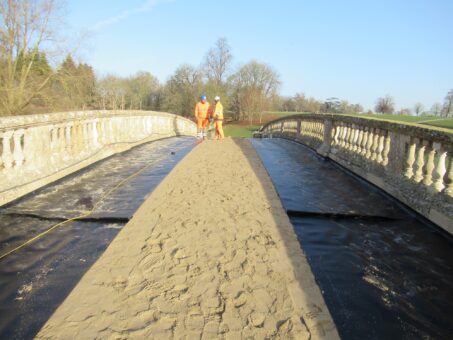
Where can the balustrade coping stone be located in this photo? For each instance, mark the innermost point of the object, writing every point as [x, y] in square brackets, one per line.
[24, 121]
[436, 134]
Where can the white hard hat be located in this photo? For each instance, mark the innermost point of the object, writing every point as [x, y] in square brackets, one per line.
[217, 98]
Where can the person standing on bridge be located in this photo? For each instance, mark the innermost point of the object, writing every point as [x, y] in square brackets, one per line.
[218, 117]
[202, 111]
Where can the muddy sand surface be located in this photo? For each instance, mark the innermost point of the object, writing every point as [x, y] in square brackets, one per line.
[210, 254]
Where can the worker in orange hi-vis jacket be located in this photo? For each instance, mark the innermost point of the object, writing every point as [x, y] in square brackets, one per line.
[218, 117]
[202, 116]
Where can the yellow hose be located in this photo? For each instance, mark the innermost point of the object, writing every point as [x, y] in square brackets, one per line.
[83, 215]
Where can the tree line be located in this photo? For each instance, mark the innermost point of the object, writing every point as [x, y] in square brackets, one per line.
[386, 105]
[29, 83]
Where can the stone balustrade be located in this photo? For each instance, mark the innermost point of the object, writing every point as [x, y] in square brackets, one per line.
[38, 149]
[412, 163]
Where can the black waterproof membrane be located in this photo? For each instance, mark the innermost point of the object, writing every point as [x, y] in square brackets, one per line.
[37, 278]
[384, 272]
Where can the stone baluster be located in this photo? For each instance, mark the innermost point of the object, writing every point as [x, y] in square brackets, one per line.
[100, 129]
[385, 153]
[328, 139]
[343, 134]
[84, 134]
[380, 149]
[33, 147]
[89, 140]
[369, 144]
[7, 155]
[18, 153]
[61, 139]
[431, 151]
[354, 138]
[109, 131]
[53, 138]
[347, 139]
[449, 177]
[365, 141]
[375, 145]
[68, 138]
[439, 169]
[410, 160]
[78, 138]
[359, 141]
[420, 162]
[299, 125]
[95, 134]
[336, 135]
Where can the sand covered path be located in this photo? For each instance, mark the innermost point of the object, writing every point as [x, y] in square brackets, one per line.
[210, 254]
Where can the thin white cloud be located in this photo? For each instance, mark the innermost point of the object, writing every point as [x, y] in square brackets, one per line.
[144, 7]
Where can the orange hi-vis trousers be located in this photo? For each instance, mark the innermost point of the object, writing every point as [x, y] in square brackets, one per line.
[219, 129]
[202, 122]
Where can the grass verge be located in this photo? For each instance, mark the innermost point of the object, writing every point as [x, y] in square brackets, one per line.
[243, 131]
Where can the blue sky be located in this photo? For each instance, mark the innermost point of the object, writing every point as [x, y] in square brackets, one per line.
[356, 50]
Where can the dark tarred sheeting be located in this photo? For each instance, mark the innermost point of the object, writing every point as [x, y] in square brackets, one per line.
[384, 273]
[37, 278]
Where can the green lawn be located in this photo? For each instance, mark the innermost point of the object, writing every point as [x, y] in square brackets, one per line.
[444, 123]
[244, 131]
[423, 120]
[282, 114]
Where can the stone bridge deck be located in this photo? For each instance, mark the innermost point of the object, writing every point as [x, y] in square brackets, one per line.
[210, 254]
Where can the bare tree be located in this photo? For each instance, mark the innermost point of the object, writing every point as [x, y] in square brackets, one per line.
[448, 104]
[404, 111]
[143, 88]
[254, 84]
[26, 26]
[218, 61]
[418, 109]
[385, 105]
[182, 90]
[436, 109]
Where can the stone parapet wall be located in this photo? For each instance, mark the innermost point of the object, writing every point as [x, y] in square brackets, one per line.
[36, 150]
[412, 163]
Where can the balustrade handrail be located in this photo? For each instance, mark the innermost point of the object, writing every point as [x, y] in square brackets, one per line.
[411, 162]
[38, 149]
[434, 133]
[24, 121]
